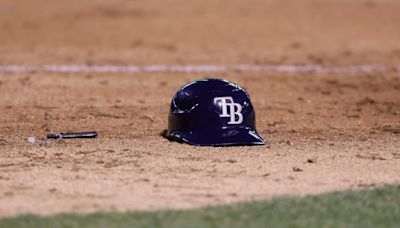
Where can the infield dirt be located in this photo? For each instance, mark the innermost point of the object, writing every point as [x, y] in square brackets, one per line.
[325, 131]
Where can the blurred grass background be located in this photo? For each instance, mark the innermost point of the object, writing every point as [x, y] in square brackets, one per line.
[366, 208]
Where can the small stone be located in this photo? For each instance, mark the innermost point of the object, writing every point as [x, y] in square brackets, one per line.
[31, 139]
[312, 160]
[297, 169]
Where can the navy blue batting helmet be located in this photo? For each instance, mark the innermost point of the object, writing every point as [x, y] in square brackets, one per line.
[213, 112]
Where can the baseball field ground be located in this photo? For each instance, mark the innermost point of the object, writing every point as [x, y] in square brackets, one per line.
[323, 77]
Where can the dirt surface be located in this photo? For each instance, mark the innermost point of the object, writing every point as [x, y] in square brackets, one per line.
[326, 131]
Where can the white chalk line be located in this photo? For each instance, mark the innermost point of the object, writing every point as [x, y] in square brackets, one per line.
[194, 68]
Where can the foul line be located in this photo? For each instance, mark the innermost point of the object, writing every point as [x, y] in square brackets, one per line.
[194, 68]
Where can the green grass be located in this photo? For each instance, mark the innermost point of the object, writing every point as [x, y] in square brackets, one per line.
[368, 208]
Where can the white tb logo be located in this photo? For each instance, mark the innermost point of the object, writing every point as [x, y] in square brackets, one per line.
[230, 109]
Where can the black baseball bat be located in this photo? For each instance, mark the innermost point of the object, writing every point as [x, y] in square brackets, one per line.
[89, 134]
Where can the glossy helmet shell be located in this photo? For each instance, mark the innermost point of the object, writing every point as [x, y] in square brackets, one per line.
[213, 112]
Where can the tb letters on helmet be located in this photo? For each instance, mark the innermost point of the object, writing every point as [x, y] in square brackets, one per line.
[230, 109]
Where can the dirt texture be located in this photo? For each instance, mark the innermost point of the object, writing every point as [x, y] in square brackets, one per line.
[326, 132]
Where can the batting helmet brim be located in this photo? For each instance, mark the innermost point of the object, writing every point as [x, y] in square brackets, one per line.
[223, 137]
